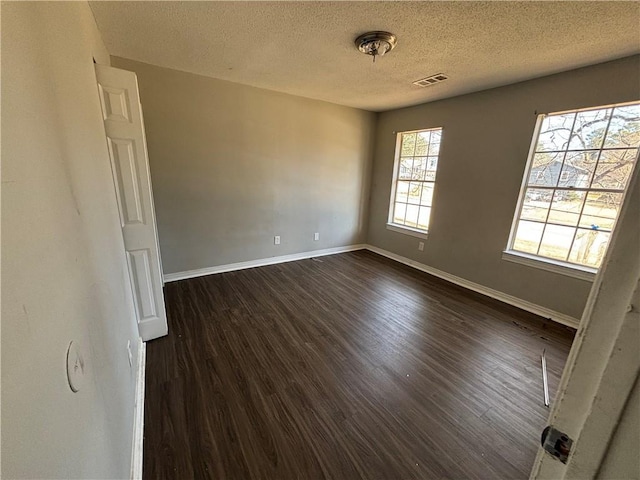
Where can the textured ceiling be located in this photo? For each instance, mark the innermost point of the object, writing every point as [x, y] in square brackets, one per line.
[306, 48]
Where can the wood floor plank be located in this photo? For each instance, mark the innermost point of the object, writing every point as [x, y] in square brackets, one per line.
[344, 367]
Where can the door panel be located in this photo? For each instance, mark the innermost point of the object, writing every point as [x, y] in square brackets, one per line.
[124, 128]
[140, 267]
[127, 179]
[115, 104]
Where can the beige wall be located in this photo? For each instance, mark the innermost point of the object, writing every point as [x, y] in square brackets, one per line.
[64, 274]
[233, 165]
[484, 151]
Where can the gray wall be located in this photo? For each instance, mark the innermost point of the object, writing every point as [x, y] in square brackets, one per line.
[483, 155]
[233, 165]
[64, 274]
[621, 459]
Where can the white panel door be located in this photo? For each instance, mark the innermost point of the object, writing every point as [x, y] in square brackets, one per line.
[124, 127]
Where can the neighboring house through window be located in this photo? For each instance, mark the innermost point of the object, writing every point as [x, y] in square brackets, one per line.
[416, 162]
[577, 174]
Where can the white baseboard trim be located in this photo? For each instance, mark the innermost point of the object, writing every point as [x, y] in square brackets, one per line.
[476, 287]
[138, 414]
[173, 277]
[558, 317]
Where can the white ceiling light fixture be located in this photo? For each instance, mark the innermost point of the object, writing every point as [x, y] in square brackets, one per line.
[376, 43]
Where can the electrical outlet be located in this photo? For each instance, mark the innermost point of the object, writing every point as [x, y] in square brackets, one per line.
[316, 236]
[276, 240]
[421, 246]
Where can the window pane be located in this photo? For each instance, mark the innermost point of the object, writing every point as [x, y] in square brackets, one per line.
[545, 169]
[536, 204]
[408, 144]
[624, 129]
[399, 213]
[422, 143]
[423, 217]
[405, 168]
[556, 242]
[589, 129]
[589, 247]
[566, 206]
[416, 164]
[402, 192]
[419, 166]
[411, 220]
[578, 169]
[434, 147]
[528, 236]
[555, 132]
[427, 194]
[575, 184]
[432, 165]
[601, 210]
[614, 169]
[414, 193]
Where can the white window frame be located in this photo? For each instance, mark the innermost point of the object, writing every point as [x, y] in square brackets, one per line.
[545, 263]
[396, 227]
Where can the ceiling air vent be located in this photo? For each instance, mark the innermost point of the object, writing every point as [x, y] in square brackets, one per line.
[431, 80]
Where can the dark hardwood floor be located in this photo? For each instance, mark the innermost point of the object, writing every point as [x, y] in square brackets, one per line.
[346, 366]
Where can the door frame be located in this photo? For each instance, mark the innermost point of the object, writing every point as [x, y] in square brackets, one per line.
[604, 361]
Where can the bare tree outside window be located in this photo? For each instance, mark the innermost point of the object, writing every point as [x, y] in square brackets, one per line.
[576, 179]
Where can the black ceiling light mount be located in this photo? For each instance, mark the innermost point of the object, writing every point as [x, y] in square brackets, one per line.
[376, 43]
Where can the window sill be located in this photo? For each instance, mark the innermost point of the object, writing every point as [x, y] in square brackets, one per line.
[563, 268]
[407, 230]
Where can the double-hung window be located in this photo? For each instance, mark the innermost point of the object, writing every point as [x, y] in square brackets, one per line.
[414, 177]
[579, 168]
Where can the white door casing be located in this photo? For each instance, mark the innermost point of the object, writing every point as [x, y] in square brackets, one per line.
[604, 362]
[124, 129]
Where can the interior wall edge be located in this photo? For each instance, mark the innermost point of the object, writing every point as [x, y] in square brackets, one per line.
[545, 312]
[484, 152]
[234, 166]
[261, 262]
